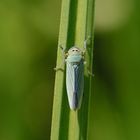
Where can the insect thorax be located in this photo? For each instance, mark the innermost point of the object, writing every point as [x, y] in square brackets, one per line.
[74, 59]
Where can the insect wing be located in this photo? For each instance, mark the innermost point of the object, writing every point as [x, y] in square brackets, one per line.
[75, 84]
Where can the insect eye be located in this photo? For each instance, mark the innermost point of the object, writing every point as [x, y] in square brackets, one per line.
[73, 50]
[77, 50]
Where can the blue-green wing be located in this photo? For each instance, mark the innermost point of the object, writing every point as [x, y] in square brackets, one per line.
[75, 84]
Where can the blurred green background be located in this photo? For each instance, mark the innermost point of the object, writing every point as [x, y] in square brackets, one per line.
[116, 101]
[28, 44]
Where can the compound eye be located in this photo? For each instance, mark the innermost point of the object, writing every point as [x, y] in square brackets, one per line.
[73, 50]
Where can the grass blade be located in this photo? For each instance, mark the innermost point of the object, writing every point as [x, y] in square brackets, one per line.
[76, 24]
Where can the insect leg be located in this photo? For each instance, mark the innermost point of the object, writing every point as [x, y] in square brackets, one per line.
[85, 44]
[88, 70]
[90, 73]
[63, 54]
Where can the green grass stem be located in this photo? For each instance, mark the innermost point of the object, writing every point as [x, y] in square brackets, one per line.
[75, 26]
